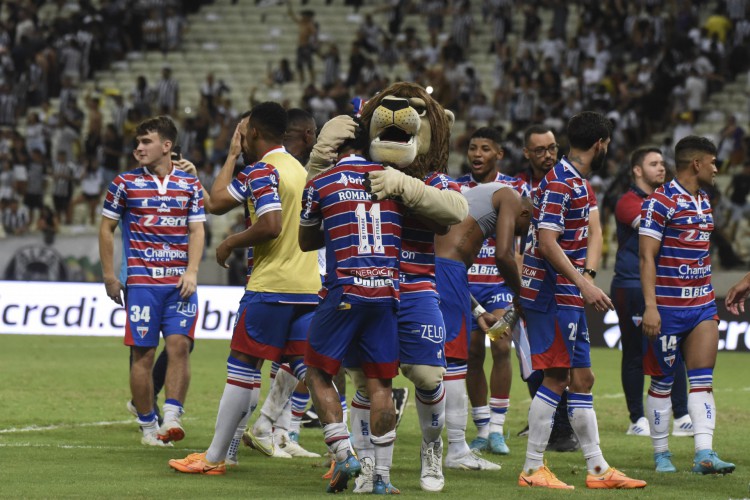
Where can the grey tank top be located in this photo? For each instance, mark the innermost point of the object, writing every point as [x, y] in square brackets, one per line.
[480, 205]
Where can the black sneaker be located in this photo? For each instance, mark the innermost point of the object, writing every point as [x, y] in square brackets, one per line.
[310, 419]
[400, 398]
[524, 432]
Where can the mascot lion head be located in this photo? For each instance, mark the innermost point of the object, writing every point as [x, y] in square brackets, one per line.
[408, 129]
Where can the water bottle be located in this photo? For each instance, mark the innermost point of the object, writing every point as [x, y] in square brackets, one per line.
[503, 325]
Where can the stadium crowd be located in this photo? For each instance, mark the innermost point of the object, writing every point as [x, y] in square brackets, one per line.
[650, 67]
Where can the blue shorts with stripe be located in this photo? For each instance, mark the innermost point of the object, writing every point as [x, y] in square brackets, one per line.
[421, 331]
[152, 310]
[357, 335]
[663, 354]
[455, 304]
[270, 330]
[558, 338]
[492, 297]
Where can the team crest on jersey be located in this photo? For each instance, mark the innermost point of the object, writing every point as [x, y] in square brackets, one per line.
[139, 182]
[142, 331]
[637, 320]
[669, 360]
[183, 184]
[183, 201]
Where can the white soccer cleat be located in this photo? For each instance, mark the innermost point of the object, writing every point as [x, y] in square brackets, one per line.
[150, 439]
[640, 428]
[682, 427]
[294, 449]
[171, 430]
[365, 480]
[431, 476]
[470, 461]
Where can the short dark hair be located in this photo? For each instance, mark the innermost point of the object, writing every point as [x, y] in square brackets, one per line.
[299, 117]
[637, 157]
[162, 125]
[490, 133]
[684, 151]
[270, 119]
[586, 128]
[360, 141]
[535, 129]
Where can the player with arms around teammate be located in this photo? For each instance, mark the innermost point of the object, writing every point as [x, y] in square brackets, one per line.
[357, 316]
[274, 313]
[680, 318]
[553, 295]
[648, 173]
[488, 287]
[161, 210]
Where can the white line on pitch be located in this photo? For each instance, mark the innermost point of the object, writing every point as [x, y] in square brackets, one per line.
[37, 428]
[74, 446]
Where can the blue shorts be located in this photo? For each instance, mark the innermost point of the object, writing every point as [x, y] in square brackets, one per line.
[366, 335]
[270, 330]
[492, 297]
[455, 304]
[558, 338]
[158, 309]
[421, 331]
[663, 354]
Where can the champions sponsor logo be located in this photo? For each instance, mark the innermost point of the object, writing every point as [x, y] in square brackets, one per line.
[163, 220]
[164, 253]
[351, 195]
[373, 282]
[694, 272]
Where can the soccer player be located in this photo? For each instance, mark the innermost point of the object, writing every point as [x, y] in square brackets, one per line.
[553, 295]
[680, 318]
[492, 293]
[161, 209]
[275, 312]
[648, 173]
[540, 150]
[495, 209]
[359, 301]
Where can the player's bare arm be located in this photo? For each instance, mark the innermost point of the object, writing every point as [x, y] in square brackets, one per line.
[310, 238]
[221, 201]
[550, 250]
[266, 228]
[188, 282]
[737, 296]
[648, 249]
[505, 236]
[595, 244]
[106, 255]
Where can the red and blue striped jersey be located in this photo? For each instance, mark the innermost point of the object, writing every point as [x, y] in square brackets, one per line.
[484, 270]
[154, 214]
[628, 217]
[561, 203]
[362, 236]
[418, 246]
[527, 177]
[683, 223]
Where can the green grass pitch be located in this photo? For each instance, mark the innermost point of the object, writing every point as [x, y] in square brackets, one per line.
[64, 432]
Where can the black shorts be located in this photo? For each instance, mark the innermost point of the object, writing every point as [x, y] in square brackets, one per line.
[61, 203]
[32, 200]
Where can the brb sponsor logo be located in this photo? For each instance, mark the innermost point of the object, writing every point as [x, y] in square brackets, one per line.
[691, 292]
[165, 253]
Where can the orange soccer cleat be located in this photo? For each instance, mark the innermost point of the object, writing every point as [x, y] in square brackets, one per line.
[196, 463]
[542, 478]
[613, 479]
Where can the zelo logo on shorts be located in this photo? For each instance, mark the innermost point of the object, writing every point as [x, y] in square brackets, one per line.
[433, 333]
[187, 309]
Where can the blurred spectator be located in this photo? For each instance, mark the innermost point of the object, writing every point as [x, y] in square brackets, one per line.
[731, 145]
[167, 93]
[152, 31]
[9, 107]
[48, 224]
[7, 188]
[91, 189]
[142, 96]
[36, 134]
[280, 75]
[15, 218]
[63, 177]
[94, 127]
[111, 154]
[307, 40]
[737, 192]
[175, 24]
[37, 173]
[331, 65]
